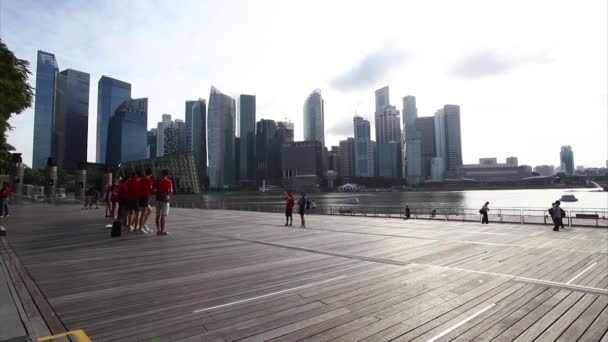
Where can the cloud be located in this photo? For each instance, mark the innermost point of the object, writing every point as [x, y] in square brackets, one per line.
[490, 63]
[343, 128]
[370, 70]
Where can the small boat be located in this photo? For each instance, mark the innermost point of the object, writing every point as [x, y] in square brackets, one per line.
[352, 200]
[568, 198]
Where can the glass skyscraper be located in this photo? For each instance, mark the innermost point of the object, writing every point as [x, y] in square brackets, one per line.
[221, 127]
[111, 93]
[189, 126]
[566, 158]
[364, 151]
[71, 119]
[452, 139]
[199, 139]
[247, 113]
[128, 134]
[314, 113]
[44, 109]
[382, 98]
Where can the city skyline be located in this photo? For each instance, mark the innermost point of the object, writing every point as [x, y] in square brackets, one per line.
[519, 76]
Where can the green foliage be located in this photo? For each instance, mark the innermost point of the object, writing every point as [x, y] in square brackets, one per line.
[34, 177]
[15, 96]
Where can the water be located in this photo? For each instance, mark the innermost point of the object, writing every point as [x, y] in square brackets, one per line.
[534, 198]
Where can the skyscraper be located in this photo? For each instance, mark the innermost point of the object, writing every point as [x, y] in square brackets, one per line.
[189, 126]
[247, 113]
[284, 132]
[346, 156]
[566, 158]
[71, 119]
[221, 126]
[426, 127]
[452, 139]
[128, 135]
[410, 111]
[44, 109]
[266, 171]
[111, 93]
[160, 134]
[363, 149]
[314, 113]
[389, 160]
[440, 146]
[151, 150]
[199, 140]
[382, 98]
[388, 127]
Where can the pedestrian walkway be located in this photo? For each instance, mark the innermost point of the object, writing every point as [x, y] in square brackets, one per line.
[243, 276]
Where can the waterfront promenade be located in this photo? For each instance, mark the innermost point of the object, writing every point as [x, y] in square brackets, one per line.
[242, 276]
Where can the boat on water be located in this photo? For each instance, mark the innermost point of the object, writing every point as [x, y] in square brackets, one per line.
[568, 198]
[352, 200]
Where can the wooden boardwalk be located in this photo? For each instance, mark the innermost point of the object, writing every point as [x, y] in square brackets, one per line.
[243, 276]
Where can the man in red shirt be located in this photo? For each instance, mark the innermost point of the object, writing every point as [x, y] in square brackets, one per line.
[5, 193]
[164, 189]
[131, 196]
[145, 188]
[289, 203]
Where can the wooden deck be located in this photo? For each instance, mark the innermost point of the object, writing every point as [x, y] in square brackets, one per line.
[243, 276]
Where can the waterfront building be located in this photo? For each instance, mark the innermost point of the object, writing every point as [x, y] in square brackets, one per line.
[414, 158]
[189, 126]
[285, 132]
[314, 117]
[302, 165]
[389, 160]
[346, 156]
[44, 108]
[566, 157]
[111, 93]
[151, 149]
[181, 166]
[410, 112]
[488, 161]
[426, 128]
[512, 161]
[128, 135]
[221, 133]
[364, 151]
[247, 114]
[267, 169]
[545, 170]
[199, 140]
[494, 173]
[160, 134]
[71, 119]
[388, 127]
[437, 168]
[333, 159]
[452, 138]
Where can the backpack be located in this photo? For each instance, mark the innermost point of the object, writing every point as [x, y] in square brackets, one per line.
[115, 232]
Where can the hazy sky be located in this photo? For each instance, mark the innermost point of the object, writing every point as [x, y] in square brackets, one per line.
[529, 76]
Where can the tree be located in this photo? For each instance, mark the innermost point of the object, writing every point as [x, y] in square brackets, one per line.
[34, 177]
[15, 96]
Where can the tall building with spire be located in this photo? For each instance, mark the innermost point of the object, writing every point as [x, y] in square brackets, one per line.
[314, 117]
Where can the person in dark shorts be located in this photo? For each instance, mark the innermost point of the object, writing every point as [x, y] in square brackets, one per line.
[302, 204]
[289, 204]
[145, 188]
[131, 197]
[164, 189]
[484, 213]
[407, 212]
[5, 193]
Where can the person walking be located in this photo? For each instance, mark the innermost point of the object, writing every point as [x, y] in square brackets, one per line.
[407, 212]
[164, 189]
[302, 205]
[5, 193]
[289, 204]
[107, 197]
[556, 214]
[484, 213]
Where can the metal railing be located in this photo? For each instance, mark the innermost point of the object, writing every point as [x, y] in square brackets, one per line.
[574, 217]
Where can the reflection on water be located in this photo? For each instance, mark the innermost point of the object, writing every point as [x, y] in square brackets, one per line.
[587, 198]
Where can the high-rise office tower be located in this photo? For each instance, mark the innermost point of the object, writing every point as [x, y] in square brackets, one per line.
[111, 93]
[389, 160]
[438, 164]
[199, 140]
[388, 127]
[174, 137]
[346, 156]
[160, 134]
[452, 139]
[364, 151]
[247, 113]
[71, 119]
[151, 150]
[314, 113]
[265, 152]
[410, 112]
[382, 98]
[426, 127]
[220, 128]
[44, 109]
[566, 158]
[414, 157]
[189, 126]
[285, 132]
[128, 135]
[333, 159]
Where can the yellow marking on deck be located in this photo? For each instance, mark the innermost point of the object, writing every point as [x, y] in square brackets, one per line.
[79, 334]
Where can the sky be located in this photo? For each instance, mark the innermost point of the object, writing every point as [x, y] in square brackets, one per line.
[529, 76]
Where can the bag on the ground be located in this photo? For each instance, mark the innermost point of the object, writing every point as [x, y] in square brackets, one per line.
[115, 229]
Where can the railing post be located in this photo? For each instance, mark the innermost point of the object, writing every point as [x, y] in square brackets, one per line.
[521, 216]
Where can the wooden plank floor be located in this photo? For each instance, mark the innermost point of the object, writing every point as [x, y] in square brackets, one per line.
[243, 276]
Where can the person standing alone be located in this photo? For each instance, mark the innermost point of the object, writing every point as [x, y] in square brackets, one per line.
[302, 205]
[484, 213]
[5, 193]
[164, 189]
[289, 204]
[556, 214]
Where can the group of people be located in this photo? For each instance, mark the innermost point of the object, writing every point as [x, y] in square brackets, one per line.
[128, 200]
[304, 204]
